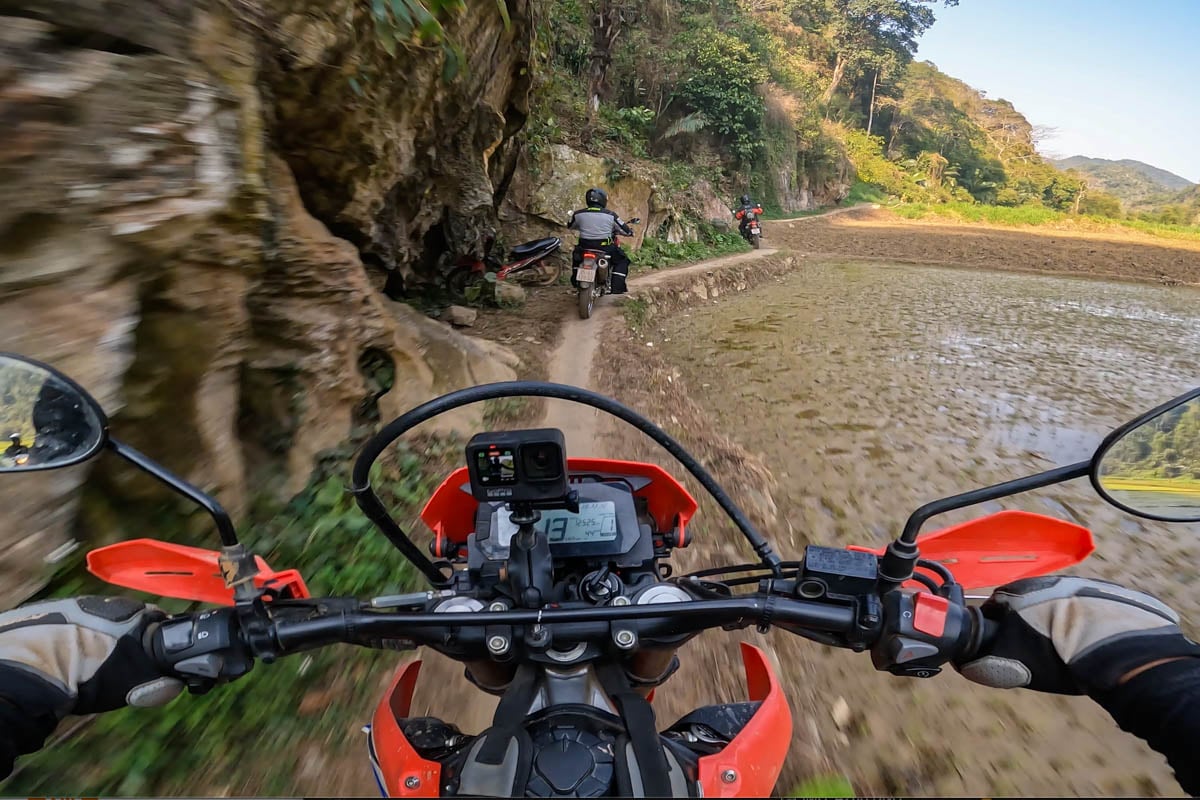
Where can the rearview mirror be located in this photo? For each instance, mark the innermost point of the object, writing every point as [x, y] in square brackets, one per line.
[1151, 466]
[46, 420]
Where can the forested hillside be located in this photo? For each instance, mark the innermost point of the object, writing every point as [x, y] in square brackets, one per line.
[1140, 187]
[791, 99]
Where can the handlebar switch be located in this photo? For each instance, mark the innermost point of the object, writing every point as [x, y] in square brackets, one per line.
[203, 649]
[177, 635]
[921, 632]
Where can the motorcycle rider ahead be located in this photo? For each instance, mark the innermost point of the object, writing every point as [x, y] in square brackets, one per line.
[597, 226]
[743, 215]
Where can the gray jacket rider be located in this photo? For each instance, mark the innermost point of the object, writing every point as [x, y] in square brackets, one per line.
[597, 225]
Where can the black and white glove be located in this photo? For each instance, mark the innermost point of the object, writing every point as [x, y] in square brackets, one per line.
[81, 655]
[1070, 635]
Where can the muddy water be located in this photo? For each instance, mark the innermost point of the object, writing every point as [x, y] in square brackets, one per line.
[871, 389]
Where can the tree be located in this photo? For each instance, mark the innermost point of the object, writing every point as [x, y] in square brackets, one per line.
[721, 82]
[864, 32]
[1101, 204]
[609, 19]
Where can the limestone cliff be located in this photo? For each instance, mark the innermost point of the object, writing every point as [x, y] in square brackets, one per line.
[189, 188]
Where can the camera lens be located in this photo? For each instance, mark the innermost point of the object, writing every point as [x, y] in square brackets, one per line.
[542, 461]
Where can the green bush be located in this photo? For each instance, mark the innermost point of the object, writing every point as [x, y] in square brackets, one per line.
[722, 82]
[866, 154]
[657, 253]
[865, 193]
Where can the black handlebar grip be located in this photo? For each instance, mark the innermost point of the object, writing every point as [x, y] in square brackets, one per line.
[986, 631]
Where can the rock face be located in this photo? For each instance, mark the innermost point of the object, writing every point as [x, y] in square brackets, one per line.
[162, 163]
[555, 185]
[545, 191]
[385, 152]
[801, 180]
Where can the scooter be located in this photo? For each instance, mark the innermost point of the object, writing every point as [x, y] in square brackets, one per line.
[526, 258]
[550, 579]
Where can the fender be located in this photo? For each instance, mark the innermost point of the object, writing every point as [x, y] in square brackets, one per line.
[399, 771]
[756, 754]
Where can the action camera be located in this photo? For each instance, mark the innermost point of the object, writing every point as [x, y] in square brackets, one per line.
[518, 466]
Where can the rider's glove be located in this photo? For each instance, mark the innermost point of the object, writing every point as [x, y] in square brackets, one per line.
[1071, 635]
[82, 655]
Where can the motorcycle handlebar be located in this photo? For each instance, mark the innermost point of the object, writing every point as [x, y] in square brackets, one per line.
[213, 646]
[655, 619]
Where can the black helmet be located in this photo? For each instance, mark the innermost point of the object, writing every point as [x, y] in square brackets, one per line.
[745, 199]
[596, 198]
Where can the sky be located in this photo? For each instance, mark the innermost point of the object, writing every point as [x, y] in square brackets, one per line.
[1116, 78]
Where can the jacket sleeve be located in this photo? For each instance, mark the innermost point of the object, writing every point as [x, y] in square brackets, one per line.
[571, 226]
[741, 212]
[1162, 706]
[21, 733]
[619, 226]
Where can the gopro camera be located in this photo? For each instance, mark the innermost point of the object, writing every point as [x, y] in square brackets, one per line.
[518, 466]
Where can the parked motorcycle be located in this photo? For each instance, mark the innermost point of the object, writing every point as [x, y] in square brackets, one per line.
[592, 276]
[552, 584]
[526, 262]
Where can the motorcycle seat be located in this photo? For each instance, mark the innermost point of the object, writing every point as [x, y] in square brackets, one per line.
[537, 245]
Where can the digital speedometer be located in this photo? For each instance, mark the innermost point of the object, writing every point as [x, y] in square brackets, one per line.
[595, 522]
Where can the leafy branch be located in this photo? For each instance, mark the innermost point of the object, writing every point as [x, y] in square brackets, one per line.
[401, 22]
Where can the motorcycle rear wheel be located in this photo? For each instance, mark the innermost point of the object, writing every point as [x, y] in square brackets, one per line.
[586, 301]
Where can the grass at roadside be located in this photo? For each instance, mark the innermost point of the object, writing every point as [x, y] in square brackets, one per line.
[657, 254]
[1038, 216]
[247, 738]
[866, 193]
[823, 786]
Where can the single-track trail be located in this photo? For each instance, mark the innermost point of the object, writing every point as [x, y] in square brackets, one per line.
[579, 339]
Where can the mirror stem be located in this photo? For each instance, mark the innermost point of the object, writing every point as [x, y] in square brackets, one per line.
[209, 504]
[898, 562]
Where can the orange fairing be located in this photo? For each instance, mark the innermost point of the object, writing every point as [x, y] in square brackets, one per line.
[1003, 547]
[756, 755]
[175, 570]
[400, 771]
[450, 512]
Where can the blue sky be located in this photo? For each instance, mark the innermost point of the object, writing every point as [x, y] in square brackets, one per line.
[1117, 78]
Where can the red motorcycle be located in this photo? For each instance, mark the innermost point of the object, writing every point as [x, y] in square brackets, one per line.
[526, 262]
[552, 584]
[751, 228]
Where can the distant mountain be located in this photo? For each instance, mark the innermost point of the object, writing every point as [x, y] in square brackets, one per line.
[1132, 182]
